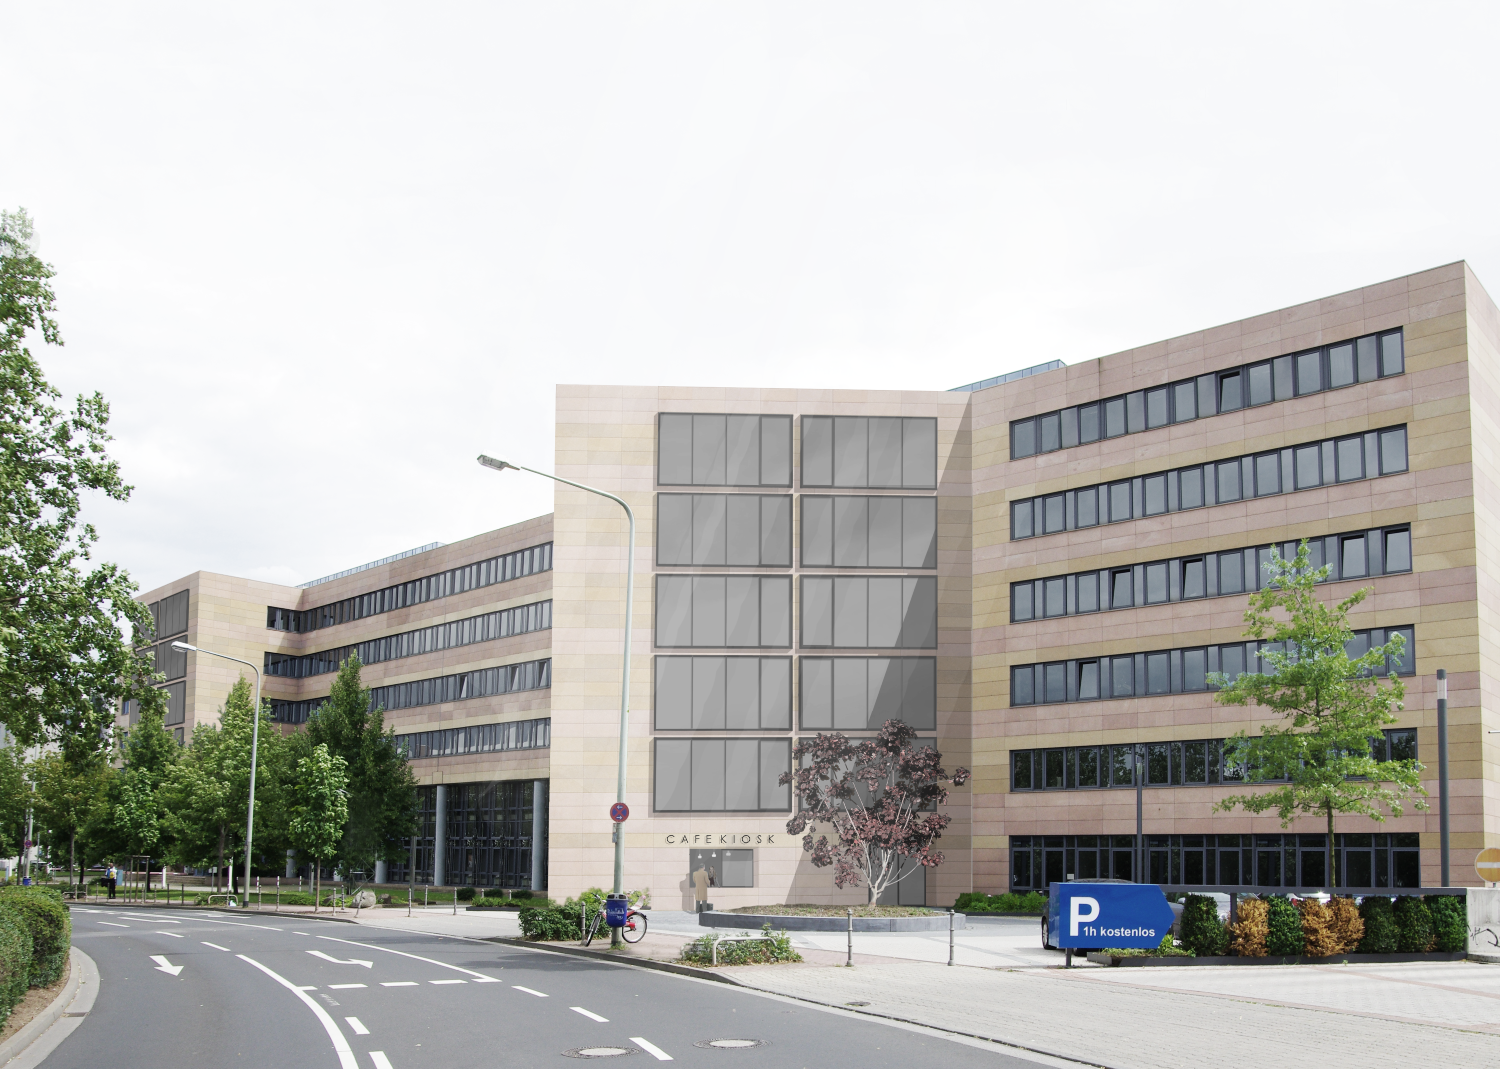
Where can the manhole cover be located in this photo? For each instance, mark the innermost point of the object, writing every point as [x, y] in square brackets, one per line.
[856, 1004]
[730, 1044]
[599, 1052]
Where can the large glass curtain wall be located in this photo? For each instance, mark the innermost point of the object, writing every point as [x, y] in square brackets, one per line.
[716, 449]
[748, 530]
[501, 569]
[489, 836]
[1353, 555]
[1363, 861]
[1329, 368]
[503, 623]
[875, 451]
[1282, 471]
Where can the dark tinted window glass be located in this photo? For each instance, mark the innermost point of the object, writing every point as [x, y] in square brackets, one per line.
[1088, 423]
[1309, 372]
[1156, 407]
[1051, 433]
[1260, 384]
[1229, 392]
[1114, 417]
[1184, 401]
[1088, 680]
[1341, 366]
[1022, 439]
[1193, 578]
[1350, 452]
[1393, 451]
[1391, 361]
[1122, 765]
[1157, 767]
[1403, 744]
[1020, 777]
[1121, 597]
[1398, 551]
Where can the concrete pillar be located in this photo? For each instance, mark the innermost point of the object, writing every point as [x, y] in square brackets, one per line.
[539, 835]
[291, 864]
[380, 872]
[440, 835]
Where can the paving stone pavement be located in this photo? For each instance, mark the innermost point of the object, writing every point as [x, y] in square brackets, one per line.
[1120, 1024]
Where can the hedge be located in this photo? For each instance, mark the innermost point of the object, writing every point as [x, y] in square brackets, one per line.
[1283, 928]
[979, 902]
[1450, 922]
[776, 948]
[1201, 930]
[45, 916]
[15, 959]
[550, 924]
[1413, 925]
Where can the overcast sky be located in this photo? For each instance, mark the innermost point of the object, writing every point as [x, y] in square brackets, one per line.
[318, 256]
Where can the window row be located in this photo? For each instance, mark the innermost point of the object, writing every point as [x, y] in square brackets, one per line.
[708, 449]
[176, 711]
[480, 683]
[1199, 762]
[724, 610]
[1361, 861]
[1281, 471]
[172, 664]
[862, 693]
[492, 625]
[869, 532]
[1357, 555]
[1329, 368]
[722, 775]
[1177, 671]
[169, 617]
[501, 569]
[482, 738]
[751, 530]
[869, 612]
[490, 836]
[899, 452]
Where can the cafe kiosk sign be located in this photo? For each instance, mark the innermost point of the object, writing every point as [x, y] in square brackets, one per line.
[727, 840]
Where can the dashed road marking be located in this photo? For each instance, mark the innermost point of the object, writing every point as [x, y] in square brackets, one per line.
[380, 1060]
[589, 1014]
[529, 991]
[357, 1025]
[216, 946]
[447, 981]
[343, 987]
[112, 924]
[401, 983]
[174, 935]
[652, 1049]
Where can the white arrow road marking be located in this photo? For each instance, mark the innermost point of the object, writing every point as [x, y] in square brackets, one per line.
[359, 1029]
[216, 946]
[538, 994]
[479, 977]
[589, 1014]
[336, 961]
[652, 1049]
[163, 965]
[380, 1060]
[340, 1044]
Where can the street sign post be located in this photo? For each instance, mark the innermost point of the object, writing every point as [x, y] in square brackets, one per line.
[1487, 864]
[619, 813]
[1108, 915]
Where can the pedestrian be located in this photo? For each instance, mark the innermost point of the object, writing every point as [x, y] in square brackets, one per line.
[111, 875]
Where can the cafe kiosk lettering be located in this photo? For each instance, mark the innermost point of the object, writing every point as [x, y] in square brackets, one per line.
[727, 838]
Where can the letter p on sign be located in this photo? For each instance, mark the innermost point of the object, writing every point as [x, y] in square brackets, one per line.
[1076, 912]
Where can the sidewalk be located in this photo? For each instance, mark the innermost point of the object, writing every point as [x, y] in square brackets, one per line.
[1428, 1014]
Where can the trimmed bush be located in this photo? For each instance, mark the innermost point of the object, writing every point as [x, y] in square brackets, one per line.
[520, 894]
[550, 924]
[1381, 931]
[1202, 931]
[15, 960]
[42, 910]
[742, 952]
[1249, 930]
[1413, 925]
[1346, 924]
[465, 894]
[1318, 935]
[1283, 928]
[979, 902]
[1450, 922]
[494, 892]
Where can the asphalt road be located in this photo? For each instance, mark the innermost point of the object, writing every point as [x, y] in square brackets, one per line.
[196, 989]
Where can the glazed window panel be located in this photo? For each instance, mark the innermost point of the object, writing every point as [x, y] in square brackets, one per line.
[861, 612]
[716, 449]
[721, 775]
[858, 451]
[862, 693]
[723, 610]
[722, 693]
[869, 532]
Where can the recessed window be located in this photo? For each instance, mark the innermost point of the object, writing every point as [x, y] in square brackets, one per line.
[1309, 373]
[1193, 579]
[1393, 451]
[1088, 507]
[1156, 407]
[1022, 439]
[1088, 592]
[1121, 597]
[1341, 365]
[1260, 384]
[1229, 480]
[1308, 472]
[1051, 432]
[1351, 459]
[1088, 423]
[1156, 494]
[1391, 359]
[1114, 417]
[1088, 680]
[1190, 492]
[1184, 401]
[1231, 573]
[1398, 551]
[1229, 392]
[1119, 501]
[1352, 563]
[1156, 583]
[1055, 600]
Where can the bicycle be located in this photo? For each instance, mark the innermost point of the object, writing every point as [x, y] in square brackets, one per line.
[633, 931]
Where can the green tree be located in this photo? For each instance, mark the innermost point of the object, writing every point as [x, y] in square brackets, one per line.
[135, 817]
[71, 795]
[66, 660]
[321, 810]
[15, 792]
[209, 791]
[1331, 705]
[382, 788]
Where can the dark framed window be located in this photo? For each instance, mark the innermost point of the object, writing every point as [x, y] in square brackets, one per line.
[723, 611]
[721, 775]
[898, 452]
[720, 449]
[862, 693]
[849, 531]
[722, 693]
[719, 530]
[868, 612]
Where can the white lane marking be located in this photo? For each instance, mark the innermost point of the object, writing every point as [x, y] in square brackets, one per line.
[340, 1044]
[380, 1060]
[589, 1014]
[652, 1049]
[308, 987]
[447, 981]
[538, 994]
[338, 961]
[174, 935]
[479, 977]
[343, 987]
[163, 965]
[112, 924]
[401, 983]
[165, 920]
[216, 946]
[240, 924]
[359, 1028]
[299, 933]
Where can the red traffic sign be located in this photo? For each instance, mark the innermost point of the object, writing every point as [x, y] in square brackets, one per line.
[27, 844]
[619, 812]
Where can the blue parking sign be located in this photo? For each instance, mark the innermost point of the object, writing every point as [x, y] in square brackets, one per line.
[1108, 915]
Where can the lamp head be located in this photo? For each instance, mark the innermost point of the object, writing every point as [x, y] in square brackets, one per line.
[185, 647]
[498, 465]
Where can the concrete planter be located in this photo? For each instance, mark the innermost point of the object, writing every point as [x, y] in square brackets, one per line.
[1336, 959]
[937, 922]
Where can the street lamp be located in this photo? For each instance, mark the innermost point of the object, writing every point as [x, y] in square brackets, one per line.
[501, 465]
[254, 747]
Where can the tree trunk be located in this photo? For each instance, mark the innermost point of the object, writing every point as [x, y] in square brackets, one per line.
[1328, 855]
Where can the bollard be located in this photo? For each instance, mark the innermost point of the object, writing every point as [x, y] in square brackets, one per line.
[278, 894]
[259, 901]
[950, 937]
[849, 957]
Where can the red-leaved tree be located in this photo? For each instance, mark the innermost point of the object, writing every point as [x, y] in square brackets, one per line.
[878, 797]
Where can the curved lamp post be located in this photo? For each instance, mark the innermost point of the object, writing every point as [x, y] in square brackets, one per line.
[254, 747]
[501, 465]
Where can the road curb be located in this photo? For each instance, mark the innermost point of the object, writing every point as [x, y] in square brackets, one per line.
[598, 955]
[80, 966]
